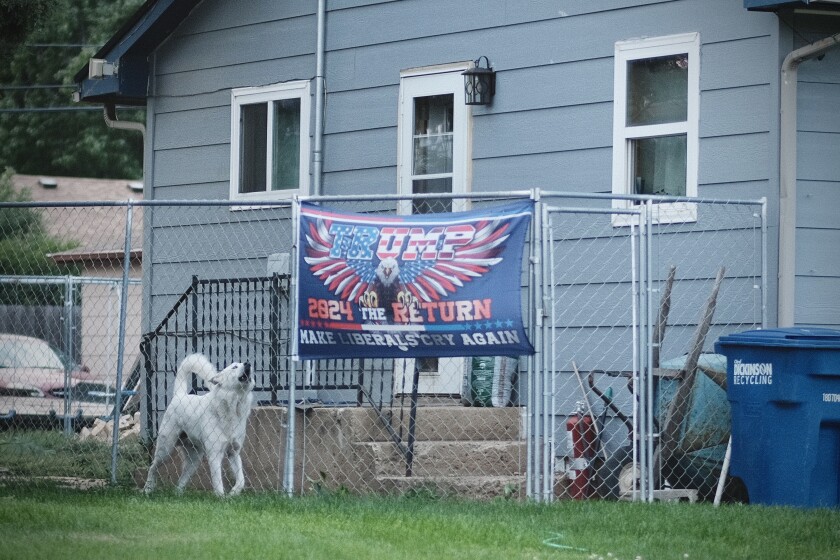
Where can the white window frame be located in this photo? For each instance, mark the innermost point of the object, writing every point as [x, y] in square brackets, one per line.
[267, 94]
[422, 82]
[623, 135]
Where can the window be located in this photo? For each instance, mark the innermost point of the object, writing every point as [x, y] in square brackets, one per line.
[655, 121]
[269, 154]
[434, 142]
[432, 151]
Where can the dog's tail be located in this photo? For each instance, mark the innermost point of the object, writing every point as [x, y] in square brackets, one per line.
[194, 363]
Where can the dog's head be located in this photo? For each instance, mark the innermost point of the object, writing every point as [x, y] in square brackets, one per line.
[235, 377]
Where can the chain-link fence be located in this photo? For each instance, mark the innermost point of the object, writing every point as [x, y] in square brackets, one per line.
[69, 293]
[638, 299]
[580, 419]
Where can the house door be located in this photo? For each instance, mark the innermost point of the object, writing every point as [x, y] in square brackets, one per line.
[434, 155]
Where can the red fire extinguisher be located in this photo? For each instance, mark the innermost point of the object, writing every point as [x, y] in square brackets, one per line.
[581, 428]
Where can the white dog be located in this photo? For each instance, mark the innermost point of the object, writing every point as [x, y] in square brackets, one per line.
[212, 424]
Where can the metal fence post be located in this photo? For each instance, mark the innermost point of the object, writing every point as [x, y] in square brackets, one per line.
[69, 293]
[289, 467]
[763, 263]
[648, 355]
[548, 395]
[129, 211]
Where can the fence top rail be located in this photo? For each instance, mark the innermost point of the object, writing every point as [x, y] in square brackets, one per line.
[238, 204]
[254, 279]
[64, 279]
[583, 210]
[471, 196]
[652, 197]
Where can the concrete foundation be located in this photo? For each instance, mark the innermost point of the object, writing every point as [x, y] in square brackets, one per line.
[465, 451]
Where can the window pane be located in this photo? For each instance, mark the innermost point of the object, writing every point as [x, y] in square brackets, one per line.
[659, 165]
[433, 154]
[657, 90]
[427, 365]
[430, 205]
[252, 147]
[433, 119]
[285, 168]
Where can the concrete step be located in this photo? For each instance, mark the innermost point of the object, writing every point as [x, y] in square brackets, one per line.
[455, 423]
[467, 424]
[446, 458]
[467, 487]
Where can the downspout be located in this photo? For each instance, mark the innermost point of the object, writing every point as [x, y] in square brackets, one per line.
[787, 174]
[317, 153]
[111, 120]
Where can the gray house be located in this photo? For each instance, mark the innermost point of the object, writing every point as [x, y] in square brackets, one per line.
[263, 100]
[340, 75]
[693, 98]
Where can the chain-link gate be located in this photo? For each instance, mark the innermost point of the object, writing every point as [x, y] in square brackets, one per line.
[637, 394]
[593, 337]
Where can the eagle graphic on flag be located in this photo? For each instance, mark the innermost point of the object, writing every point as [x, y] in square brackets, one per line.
[435, 262]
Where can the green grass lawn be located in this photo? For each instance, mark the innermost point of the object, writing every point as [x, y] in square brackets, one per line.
[42, 522]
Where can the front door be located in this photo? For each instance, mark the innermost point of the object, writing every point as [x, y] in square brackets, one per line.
[433, 158]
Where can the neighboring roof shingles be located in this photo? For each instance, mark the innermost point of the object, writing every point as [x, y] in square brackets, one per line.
[98, 230]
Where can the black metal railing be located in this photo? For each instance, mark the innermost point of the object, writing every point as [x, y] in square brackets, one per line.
[250, 319]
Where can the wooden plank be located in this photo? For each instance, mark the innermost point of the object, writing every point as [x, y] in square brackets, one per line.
[662, 316]
[679, 406]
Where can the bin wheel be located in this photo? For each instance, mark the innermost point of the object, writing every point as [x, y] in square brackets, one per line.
[616, 476]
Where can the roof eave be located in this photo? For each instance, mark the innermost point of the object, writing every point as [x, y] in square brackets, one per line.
[127, 54]
[783, 5]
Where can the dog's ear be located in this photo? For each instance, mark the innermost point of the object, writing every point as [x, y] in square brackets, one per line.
[216, 379]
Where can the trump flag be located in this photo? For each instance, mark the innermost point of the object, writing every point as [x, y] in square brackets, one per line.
[427, 285]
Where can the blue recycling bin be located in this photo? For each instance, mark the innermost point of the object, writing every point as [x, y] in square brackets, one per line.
[784, 389]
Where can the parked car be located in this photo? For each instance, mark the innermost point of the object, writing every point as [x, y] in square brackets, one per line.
[34, 384]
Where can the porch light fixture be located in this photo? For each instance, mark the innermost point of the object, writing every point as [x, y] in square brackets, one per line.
[479, 83]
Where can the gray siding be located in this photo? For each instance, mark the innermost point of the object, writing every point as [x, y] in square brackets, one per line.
[550, 124]
[818, 185]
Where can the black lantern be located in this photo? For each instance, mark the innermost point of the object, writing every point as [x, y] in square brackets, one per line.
[479, 83]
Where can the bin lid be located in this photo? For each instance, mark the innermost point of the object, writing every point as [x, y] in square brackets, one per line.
[799, 337]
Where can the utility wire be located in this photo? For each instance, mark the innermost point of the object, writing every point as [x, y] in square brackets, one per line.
[4, 87]
[58, 109]
[60, 46]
